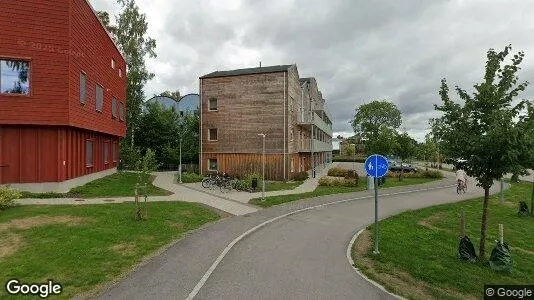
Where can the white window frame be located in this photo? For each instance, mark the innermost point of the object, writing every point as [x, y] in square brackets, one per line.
[216, 163]
[216, 133]
[120, 72]
[113, 64]
[216, 104]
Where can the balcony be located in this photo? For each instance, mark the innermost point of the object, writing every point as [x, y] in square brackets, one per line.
[307, 118]
[303, 145]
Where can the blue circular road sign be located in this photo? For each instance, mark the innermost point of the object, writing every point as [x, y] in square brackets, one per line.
[376, 165]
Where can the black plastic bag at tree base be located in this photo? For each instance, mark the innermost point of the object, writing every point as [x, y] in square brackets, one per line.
[500, 258]
[466, 250]
[523, 209]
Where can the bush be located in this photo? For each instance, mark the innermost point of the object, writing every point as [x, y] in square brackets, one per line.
[189, 177]
[348, 159]
[248, 180]
[424, 174]
[301, 176]
[8, 196]
[352, 174]
[325, 181]
[432, 174]
[337, 172]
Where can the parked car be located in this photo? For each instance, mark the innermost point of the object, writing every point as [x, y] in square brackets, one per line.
[396, 167]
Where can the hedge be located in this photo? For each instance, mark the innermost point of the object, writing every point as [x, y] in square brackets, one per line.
[325, 181]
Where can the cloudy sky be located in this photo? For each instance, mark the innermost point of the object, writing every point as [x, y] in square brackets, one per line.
[358, 50]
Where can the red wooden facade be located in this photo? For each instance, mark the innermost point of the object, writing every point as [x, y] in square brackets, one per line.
[44, 132]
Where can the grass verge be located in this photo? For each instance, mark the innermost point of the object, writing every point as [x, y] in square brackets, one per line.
[418, 249]
[280, 185]
[120, 184]
[329, 190]
[84, 246]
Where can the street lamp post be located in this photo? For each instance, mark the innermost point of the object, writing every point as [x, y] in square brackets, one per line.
[263, 168]
[180, 167]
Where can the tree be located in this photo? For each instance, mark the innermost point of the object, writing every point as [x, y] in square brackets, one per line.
[350, 150]
[104, 18]
[405, 147]
[370, 119]
[174, 95]
[159, 131]
[526, 130]
[385, 143]
[484, 130]
[133, 41]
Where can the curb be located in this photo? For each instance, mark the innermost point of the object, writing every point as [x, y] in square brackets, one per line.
[351, 262]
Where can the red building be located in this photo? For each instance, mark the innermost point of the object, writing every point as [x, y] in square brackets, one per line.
[62, 95]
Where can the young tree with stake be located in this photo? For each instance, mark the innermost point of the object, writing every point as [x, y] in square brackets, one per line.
[483, 129]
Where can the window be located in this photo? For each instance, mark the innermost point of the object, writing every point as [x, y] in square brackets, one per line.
[120, 72]
[114, 108]
[212, 136]
[113, 64]
[83, 93]
[212, 105]
[106, 152]
[14, 77]
[212, 164]
[99, 97]
[292, 165]
[88, 153]
[121, 111]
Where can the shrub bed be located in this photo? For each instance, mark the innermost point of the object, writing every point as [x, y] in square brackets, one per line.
[325, 181]
[7, 197]
[337, 172]
[190, 177]
[301, 176]
[423, 174]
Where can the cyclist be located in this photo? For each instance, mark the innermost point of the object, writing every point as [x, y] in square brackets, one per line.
[461, 178]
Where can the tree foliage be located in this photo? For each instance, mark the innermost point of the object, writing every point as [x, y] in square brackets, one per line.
[384, 143]
[370, 119]
[484, 128]
[161, 129]
[174, 95]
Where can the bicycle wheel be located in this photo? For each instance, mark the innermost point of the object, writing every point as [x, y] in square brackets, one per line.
[206, 182]
[226, 186]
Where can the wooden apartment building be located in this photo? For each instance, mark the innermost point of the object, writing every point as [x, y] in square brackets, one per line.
[238, 105]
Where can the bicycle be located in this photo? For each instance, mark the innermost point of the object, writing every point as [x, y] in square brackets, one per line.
[208, 181]
[223, 182]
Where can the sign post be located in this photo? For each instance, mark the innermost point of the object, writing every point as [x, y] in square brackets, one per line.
[376, 166]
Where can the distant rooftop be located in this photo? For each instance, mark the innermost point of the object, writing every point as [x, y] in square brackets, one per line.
[248, 71]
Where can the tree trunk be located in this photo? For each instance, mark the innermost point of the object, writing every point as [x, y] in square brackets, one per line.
[532, 200]
[402, 172]
[484, 225]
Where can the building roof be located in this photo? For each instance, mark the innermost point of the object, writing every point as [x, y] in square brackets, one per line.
[248, 71]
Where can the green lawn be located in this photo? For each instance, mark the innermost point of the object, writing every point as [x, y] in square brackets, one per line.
[328, 190]
[418, 249]
[279, 185]
[82, 246]
[120, 184]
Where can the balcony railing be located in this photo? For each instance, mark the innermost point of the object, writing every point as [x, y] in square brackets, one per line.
[303, 145]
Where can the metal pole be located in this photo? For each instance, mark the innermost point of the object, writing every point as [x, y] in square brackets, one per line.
[502, 191]
[263, 175]
[180, 167]
[376, 216]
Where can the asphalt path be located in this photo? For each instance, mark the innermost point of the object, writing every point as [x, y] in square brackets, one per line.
[298, 256]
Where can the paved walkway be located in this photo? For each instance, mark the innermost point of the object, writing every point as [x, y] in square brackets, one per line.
[164, 180]
[308, 185]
